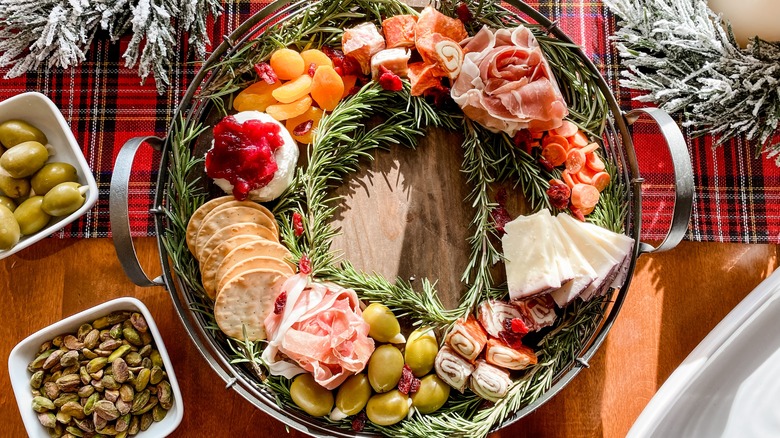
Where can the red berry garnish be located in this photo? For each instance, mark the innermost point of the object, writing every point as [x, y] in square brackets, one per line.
[280, 302]
[464, 13]
[312, 69]
[304, 265]
[303, 128]
[359, 422]
[407, 377]
[389, 80]
[297, 220]
[266, 73]
[500, 218]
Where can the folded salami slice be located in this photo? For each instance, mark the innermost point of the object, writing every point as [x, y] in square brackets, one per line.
[452, 368]
[493, 314]
[538, 312]
[467, 338]
[399, 30]
[490, 382]
[500, 354]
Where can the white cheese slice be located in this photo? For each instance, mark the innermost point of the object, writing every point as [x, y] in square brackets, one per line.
[530, 256]
[603, 264]
[584, 274]
[617, 245]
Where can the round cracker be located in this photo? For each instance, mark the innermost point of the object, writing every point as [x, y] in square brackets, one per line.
[256, 206]
[233, 231]
[255, 248]
[258, 262]
[245, 301]
[222, 217]
[197, 219]
[209, 267]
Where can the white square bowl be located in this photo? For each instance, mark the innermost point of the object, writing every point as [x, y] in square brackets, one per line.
[26, 350]
[38, 110]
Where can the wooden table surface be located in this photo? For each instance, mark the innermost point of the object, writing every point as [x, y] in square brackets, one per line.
[676, 298]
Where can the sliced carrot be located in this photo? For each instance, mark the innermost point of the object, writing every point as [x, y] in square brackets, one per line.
[587, 211]
[575, 160]
[595, 163]
[591, 147]
[585, 175]
[567, 129]
[600, 181]
[567, 179]
[580, 140]
[554, 153]
[584, 196]
[555, 139]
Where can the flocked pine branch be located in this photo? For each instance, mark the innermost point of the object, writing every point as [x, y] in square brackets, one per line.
[58, 33]
[686, 61]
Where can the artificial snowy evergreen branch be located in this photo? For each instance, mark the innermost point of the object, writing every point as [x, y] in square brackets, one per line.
[680, 54]
[58, 33]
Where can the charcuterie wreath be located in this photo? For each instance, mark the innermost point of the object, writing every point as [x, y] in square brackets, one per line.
[333, 83]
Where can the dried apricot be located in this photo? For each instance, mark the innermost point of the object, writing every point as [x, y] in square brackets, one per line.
[293, 90]
[284, 111]
[256, 97]
[327, 88]
[288, 64]
[316, 57]
[314, 114]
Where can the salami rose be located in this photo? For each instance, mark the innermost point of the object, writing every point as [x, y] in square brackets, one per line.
[505, 83]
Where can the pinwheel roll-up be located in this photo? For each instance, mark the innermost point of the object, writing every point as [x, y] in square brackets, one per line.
[500, 354]
[538, 312]
[452, 368]
[467, 338]
[489, 382]
[493, 315]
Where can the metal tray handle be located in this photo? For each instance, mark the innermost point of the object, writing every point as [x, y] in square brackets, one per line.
[683, 175]
[119, 214]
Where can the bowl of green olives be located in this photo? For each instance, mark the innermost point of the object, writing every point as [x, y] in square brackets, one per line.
[45, 181]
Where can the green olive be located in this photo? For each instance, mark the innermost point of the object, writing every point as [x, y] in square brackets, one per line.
[52, 174]
[8, 202]
[383, 325]
[310, 396]
[24, 159]
[14, 132]
[64, 199]
[432, 395]
[352, 397]
[388, 408]
[385, 368]
[31, 216]
[421, 350]
[15, 188]
[9, 228]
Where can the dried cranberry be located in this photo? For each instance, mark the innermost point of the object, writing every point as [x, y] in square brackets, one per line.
[577, 213]
[297, 221]
[500, 218]
[524, 140]
[546, 164]
[335, 55]
[266, 73]
[312, 69]
[303, 128]
[304, 265]
[280, 302]
[359, 422]
[407, 377]
[559, 194]
[441, 95]
[415, 385]
[464, 13]
[349, 66]
[389, 80]
[501, 197]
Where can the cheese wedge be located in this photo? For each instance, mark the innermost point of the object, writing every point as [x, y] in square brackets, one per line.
[531, 256]
[584, 274]
[617, 245]
[602, 262]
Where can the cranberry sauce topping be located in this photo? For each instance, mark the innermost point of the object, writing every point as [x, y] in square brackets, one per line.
[243, 154]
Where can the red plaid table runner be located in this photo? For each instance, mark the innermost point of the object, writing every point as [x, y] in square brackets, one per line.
[737, 193]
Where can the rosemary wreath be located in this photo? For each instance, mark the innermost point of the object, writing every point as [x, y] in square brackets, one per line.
[681, 55]
[342, 142]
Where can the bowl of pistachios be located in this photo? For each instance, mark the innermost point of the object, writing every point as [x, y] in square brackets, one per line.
[103, 371]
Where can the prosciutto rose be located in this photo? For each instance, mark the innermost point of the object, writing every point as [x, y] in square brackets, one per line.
[505, 83]
[320, 329]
